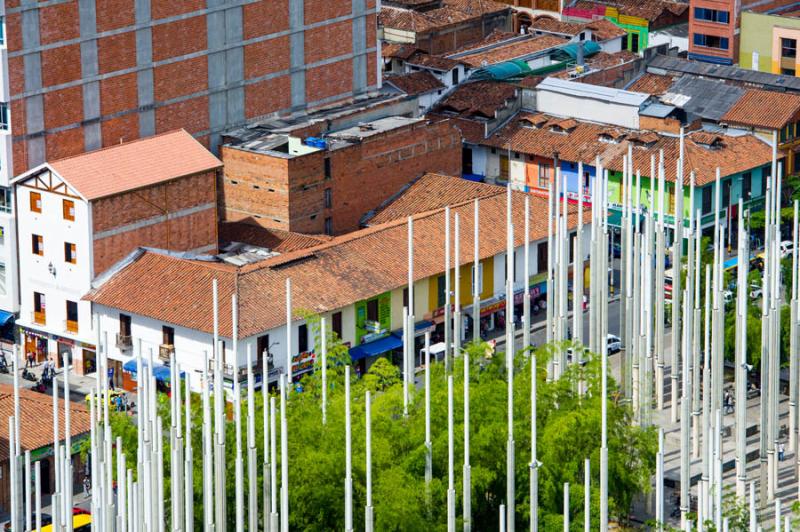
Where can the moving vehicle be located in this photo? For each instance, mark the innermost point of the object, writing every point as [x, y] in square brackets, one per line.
[787, 246]
[613, 344]
[46, 520]
[80, 523]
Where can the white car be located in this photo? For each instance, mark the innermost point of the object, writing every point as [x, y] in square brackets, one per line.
[727, 296]
[614, 344]
[786, 248]
[755, 291]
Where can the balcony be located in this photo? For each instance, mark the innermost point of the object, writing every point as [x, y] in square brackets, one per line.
[165, 352]
[39, 317]
[124, 342]
[71, 326]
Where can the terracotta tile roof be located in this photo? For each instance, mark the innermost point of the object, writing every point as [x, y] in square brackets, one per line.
[415, 83]
[36, 419]
[452, 12]
[497, 35]
[548, 24]
[733, 155]
[603, 29]
[399, 51]
[515, 50]
[767, 109]
[331, 276]
[647, 9]
[429, 193]
[478, 99]
[436, 62]
[250, 232]
[654, 84]
[135, 164]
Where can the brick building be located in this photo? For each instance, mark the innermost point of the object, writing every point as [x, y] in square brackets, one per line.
[325, 185]
[78, 216]
[78, 75]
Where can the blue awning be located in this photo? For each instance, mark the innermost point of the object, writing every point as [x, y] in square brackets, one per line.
[130, 365]
[164, 374]
[378, 347]
[5, 317]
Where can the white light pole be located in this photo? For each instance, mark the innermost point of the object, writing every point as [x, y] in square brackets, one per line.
[369, 511]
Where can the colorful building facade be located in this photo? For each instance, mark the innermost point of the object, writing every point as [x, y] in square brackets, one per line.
[769, 43]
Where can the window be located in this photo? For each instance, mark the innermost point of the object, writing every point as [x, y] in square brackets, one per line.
[466, 160]
[711, 15]
[788, 71]
[625, 42]
[710, 41]
[39, 314]
[4, 123]
[541, 257]
[544, 175]
[68, 208]
[372, 310]
[328, 225]
[5, 199]
[455, 77]
[726, 193]
[635, 43]
[327, 168]
[72, 316]
[262, 344]
[2, 31]
[440, 291]
[788, 47]
[37, 245]
[124, 325]
[328, 198]
[302, 338]
[405, 297]
[582, 36]
[36, 202]
[707, 194]
[69, 253]
[168, 335]
[747, 184]
[336, 323]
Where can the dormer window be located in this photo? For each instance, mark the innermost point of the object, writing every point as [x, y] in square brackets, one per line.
[533, 122]
[708, 140]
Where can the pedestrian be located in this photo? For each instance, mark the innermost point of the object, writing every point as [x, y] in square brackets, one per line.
[29, 361]
[87, 487]
[781, 451]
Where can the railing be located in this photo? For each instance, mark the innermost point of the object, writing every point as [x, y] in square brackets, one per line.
[39, 317]
[71, 326]
[124, 341]
[165, 351]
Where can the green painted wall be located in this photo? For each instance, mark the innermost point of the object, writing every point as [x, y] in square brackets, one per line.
[384, 317]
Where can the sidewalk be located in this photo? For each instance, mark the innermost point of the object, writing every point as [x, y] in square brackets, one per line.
[79, 385]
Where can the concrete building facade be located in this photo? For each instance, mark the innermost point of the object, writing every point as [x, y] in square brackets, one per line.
[713, 31]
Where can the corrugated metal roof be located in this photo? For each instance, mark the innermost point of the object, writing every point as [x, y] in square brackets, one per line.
[696, 68]
[708, 99]
[658, 110]
[595, 92]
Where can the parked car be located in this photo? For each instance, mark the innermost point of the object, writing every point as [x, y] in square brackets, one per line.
[613, 344]
[727, 296]
[755, 291]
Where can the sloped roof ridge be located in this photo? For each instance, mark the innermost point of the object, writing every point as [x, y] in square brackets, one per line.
[130, 142]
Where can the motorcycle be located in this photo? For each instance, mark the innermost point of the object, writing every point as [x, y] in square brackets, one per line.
[39, 387]
[28, 376]
[3, 365]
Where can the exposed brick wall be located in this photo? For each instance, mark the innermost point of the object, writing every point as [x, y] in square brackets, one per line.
[179, 48]
[290, 193]
[450, 38]
[187, 232]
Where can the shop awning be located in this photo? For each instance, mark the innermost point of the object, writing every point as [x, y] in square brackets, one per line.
[378, 347]
[5, 317]
[164, 374]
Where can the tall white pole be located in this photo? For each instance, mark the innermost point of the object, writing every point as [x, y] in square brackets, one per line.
[252, 458]
[38, 492]
[348, 456]
[448, 316]
[406, 352]
[323, 338]
[451, 488]
[566, 506]
[526, 273]
[476, 279]
[467, 470]
[428, 444]
[510, 347]
[288, 368]
[284, 460]
[369, 511]
[458, 324]
[587, 495]
[534, 463]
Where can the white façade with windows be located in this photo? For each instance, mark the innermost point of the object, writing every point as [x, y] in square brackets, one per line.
[56, 266]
